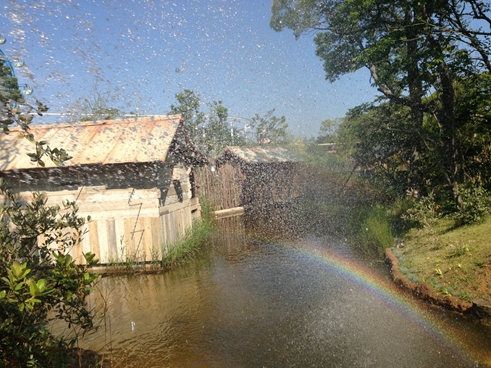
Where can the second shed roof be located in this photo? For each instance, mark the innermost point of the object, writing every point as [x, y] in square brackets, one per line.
[259, 155]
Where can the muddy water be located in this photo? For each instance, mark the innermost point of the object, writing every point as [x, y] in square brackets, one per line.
[246, 302]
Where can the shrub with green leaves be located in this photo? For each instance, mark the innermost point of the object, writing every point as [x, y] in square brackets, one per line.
[421, 210]
[40, 283]
[475, 205]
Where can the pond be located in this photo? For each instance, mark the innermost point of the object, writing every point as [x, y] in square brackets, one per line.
[252, 302]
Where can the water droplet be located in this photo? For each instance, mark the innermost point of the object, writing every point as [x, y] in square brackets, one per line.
[2, 39]
[133, 326]
[27, 90]
[18, 62]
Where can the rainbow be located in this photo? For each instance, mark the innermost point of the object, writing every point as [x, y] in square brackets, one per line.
[384, 289]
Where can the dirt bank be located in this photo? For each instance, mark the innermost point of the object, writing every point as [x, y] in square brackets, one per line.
[478, 309]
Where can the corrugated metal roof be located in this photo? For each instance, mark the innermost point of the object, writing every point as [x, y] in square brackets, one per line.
[103, 142]
[256, 155]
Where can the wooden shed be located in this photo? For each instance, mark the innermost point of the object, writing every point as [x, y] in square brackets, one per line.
[133, 177]
[254, 177]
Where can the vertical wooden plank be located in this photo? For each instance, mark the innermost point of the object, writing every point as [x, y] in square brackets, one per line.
[137, 234]
[187, 218]
[147, 238]
[184, 220]
[163, 231]
[169, 228]
[112, 240]
[156, 237]
[128, 238]
[120, 240]
[94, 239]
[103, 241]
[177, 224]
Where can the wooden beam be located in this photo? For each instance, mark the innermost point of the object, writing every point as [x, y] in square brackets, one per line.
[229, 212]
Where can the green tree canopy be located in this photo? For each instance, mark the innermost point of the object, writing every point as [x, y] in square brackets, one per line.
[95, 107]
[411, 49]
[210, 132]
[270, 129]
[328, 130]
[10, 94]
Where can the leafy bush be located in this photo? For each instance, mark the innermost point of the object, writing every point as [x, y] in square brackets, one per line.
[421, 210]
[39, 282]
[475, 205]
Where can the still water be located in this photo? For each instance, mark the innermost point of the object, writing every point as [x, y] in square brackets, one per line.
[251, 302]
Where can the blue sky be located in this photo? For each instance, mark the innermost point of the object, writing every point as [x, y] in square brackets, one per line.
[143, 52]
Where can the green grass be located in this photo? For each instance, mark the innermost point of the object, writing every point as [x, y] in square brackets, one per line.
[456, 260]
[366, 227]
[186, 246]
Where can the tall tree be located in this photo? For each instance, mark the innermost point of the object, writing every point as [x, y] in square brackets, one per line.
[210, 132]
[189, 107]
[328, 130]
[411, 48]
[270, 129]
[10, 94]
[217, 130]
[95, 107]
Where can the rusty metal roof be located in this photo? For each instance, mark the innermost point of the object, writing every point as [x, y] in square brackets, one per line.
[102, 142]
[256, 155]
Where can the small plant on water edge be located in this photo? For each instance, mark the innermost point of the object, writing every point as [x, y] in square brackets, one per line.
[122, 263]
[188, 244]
[193, 238]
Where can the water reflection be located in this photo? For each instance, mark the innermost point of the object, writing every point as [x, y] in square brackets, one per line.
[246, 302]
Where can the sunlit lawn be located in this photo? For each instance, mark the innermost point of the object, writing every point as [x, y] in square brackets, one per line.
[455, 260]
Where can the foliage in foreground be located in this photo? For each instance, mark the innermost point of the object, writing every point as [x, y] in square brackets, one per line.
[40, 283]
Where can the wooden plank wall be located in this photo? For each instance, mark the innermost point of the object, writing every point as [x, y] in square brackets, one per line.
[136, 239]
[129, 224]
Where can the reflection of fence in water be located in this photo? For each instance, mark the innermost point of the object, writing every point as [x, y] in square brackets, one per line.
[231, 232]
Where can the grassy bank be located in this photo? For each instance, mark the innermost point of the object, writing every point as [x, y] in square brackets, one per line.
[339, 201]
[434, 242]
[367, 227]
[455, 260]
[186, 246]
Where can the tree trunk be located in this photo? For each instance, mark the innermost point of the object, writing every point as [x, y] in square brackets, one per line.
[450, 140]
